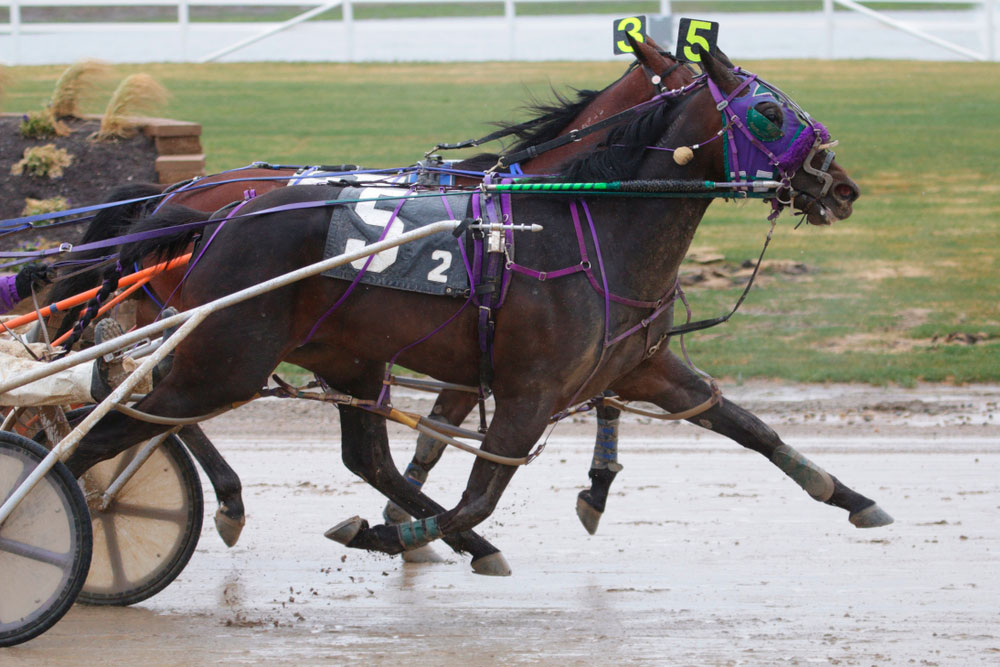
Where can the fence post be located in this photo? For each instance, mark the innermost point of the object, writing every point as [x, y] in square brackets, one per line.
[15, 32]
[991, 29]
[183, 22]
[348, 19]
[828, 21]
[509, 14]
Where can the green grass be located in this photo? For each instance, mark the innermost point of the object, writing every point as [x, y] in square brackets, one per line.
[918, 259]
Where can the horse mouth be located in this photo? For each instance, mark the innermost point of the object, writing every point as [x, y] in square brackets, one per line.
[822, 212]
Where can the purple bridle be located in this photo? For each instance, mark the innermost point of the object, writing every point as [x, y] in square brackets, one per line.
[758, 149]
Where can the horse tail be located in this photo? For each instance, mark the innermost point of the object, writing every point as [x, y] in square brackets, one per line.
[107, 224]
[164, 243]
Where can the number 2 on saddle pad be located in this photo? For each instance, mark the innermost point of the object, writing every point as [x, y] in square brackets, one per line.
[692, 33]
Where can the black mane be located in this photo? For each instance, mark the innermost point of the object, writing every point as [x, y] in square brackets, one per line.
[619, 156]
[616, 158]
[549, 119]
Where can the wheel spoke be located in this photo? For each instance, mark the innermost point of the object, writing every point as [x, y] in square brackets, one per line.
[62, 561]
[114, 553]
[126, 458]
[152, 513]
[25, 472]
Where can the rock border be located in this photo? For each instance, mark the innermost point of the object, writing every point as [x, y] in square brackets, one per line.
[180, 155]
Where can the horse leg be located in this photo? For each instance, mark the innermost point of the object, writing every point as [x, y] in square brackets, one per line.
[230, 517]
[603, 468]
[515, 427]
[365, 451]
[451, 407]
[666, 381]
[192, 387]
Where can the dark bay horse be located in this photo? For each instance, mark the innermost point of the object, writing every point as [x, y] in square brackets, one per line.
[556, 341]
[653, 72]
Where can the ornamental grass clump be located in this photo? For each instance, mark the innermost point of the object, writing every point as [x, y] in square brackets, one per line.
[39, 206]
[78, 83]
[43, 161]
[138, 92]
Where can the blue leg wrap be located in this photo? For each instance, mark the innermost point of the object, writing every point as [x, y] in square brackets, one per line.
[606, 447]
[418, 533]
[415, 475]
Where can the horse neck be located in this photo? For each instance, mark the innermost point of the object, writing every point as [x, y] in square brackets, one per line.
[648, 238]
[631, 89]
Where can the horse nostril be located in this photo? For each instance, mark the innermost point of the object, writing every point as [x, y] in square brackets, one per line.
[846, 191]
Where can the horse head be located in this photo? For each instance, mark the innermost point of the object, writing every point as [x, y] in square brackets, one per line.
[769, 136]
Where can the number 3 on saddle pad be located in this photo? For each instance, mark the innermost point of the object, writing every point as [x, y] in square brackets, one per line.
[692, 33]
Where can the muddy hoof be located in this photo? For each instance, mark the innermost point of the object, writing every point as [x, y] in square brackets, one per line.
[589, 517]
[229, 529]
[494, 565]
[872, 516]
[424, 554]
[345, 531]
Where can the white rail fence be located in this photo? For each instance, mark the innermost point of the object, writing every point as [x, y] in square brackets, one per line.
[965, 31]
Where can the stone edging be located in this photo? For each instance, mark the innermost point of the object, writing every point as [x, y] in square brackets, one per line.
[178, 146]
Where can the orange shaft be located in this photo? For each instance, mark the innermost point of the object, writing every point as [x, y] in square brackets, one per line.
[83, 297]
[106, 307]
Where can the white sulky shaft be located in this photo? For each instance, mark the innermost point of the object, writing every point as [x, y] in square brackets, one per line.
[188, 320]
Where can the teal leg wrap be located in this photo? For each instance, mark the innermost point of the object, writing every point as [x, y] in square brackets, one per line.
[813, 479]
[418, 533]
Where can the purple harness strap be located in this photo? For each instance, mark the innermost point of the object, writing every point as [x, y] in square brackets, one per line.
[383, 394]
[197, 259]
[8, 293]
[361, 273]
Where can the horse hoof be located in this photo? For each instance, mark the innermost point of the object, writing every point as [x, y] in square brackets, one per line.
[589, 517]
[872, 516]
[229, 529]
[345, 531]
[494, 565]
[424, 554]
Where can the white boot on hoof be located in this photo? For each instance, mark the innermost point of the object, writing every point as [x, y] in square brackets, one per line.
[494, 565]
[872, 516]
[345, 531]
[229, 529]
[424, 554]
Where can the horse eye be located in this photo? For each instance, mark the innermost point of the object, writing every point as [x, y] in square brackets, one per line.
[771, 111]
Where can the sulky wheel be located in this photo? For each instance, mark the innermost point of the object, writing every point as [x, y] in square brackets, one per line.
[146, 535]
[45, 544]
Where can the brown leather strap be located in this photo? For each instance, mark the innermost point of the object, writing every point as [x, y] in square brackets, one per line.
[713, 400]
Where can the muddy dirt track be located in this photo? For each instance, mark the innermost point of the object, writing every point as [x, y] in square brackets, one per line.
[707, 554]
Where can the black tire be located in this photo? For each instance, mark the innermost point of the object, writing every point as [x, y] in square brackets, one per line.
[146, 537]
[53, 522]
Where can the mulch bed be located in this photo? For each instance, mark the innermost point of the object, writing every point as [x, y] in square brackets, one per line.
[96, 169]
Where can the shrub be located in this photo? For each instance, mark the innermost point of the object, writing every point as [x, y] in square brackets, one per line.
[44, 160]
[41, 125]
[37, 206]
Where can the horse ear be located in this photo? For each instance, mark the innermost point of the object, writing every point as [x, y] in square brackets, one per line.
[723, 58]
[648, 53]
[720, 69]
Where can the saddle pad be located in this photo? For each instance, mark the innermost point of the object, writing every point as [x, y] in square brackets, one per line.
[432, 265]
